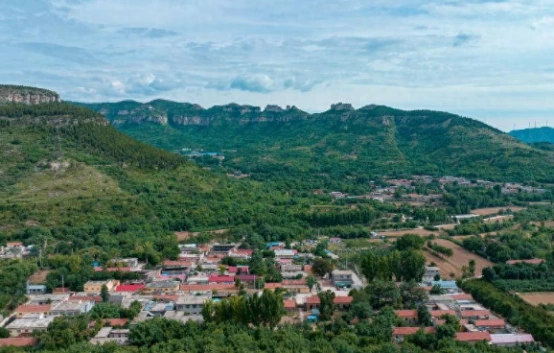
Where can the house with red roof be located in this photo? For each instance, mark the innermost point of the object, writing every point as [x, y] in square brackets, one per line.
[312, 302]
[343, 303]
[191, 288]
[221, 279]
[129, 288]
[410, 316]
[241, 253]
[437, 314]
[18, 342]
[473, 337]
[32, 309]
[111, 323]
[475, 314]
[490, 324]
[289, 305]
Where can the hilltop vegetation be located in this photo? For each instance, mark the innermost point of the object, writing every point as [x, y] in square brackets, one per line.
[535, 135]
[341, 148]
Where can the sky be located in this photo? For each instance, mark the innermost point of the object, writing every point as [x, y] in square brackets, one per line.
[491, 60]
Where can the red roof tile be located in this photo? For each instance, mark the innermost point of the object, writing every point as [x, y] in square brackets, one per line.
[247, 252]
[14, 243]
[289, 304]
[273, 285]
[61, 290]
[313, 300]
[32, 309]
[404, 331]
[490, 323]
[473, 336]
[171, 263]
[294, 282]
[440, 313]
[93, 298]
[462, 296]
[18, 342]
[406, 314]
[477, 313]
[343, 300]
[221, 279]
[111, 322]
[129, 287]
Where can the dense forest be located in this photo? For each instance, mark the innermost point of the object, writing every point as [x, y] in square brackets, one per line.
[341, 148]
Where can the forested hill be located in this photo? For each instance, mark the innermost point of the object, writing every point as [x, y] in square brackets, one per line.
[338, 148]
[71, 180]
[534, 135]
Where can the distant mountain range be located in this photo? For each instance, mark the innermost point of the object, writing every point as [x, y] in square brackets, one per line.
[535, 135]
[342, 146]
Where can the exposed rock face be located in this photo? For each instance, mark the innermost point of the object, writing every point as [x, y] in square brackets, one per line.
[27, 95]
[342, 107]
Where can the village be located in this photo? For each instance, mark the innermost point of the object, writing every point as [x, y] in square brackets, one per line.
[180, 289]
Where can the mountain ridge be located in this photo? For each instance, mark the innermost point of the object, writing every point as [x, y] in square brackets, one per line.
[342, 143]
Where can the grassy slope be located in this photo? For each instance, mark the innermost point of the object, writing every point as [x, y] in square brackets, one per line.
[91, 176]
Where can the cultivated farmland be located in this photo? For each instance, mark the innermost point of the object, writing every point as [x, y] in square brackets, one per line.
[454, 263]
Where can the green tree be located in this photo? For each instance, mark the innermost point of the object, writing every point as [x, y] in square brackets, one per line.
[321, 267]
[326, 305]
[311, 282]
[423, 316]
[104, 293]
[4, 332]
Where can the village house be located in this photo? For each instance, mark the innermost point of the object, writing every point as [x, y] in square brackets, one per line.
[222, 249]
[511, 339]
[191, 304]
[475, 314]
[473, 337]
[409, 316]
[342, 278]
[71, 308]
[289, 305]
[176, 268]
[18, 342]
[131, 263]
[45, 299]
[24, 310]
[183, 317]
[36, 288]
[285, 253]
[95, 287]
[243, 254]
[163, 287]
[430, 273]
[111, 335]
[129, 288]
[24, 326]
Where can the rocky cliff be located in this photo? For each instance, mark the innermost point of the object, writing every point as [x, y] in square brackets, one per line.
[27, 95]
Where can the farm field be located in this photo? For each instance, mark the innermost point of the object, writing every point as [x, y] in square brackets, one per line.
[454, 263]
[398, 233]
[181, 236]
[536, 298]
[494, 210]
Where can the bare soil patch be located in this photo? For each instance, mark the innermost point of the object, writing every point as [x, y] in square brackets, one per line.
[536, 298]
[182, 236]
[39, 277]
[454, 263]
[495, 210]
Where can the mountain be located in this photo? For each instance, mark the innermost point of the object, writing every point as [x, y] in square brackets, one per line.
[533, 135]
[342, 147]
[27, 95]
[70, 179]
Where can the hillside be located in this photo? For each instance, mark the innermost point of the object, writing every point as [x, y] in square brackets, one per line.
[534, 135]
[71, 180]
[341, 147]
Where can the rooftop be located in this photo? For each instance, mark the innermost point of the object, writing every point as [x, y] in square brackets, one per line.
[33, 308]
[511, 338]
[404, 331]
[490, 323]
[18, 342]
[406, 314]
[473, 336]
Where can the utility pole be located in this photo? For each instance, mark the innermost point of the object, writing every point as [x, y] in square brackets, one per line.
[63, 287]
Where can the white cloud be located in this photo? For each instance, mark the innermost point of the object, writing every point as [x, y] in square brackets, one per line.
[463, 55]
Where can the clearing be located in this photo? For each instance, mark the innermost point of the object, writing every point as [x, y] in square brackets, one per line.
[536, 298]
[454, 263]
[182, 236]
[495, 210]
[39, 277]
[398, 233]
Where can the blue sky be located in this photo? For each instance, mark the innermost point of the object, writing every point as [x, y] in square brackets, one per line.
[492, 60]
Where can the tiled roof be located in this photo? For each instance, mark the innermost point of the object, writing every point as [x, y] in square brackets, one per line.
[406, 314]
[439, 313]
[313, 300]
[129, 287]
[295, 282]
[289, 304]
[273, 285]
[93, 298]
[478, 313]
[177, 263]
[404, 331]
[343, 300]
[221, 279]
[473, 336]
[111, 322]
[32, 309]
[462, 296]
[18, 342]
[490, 323]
